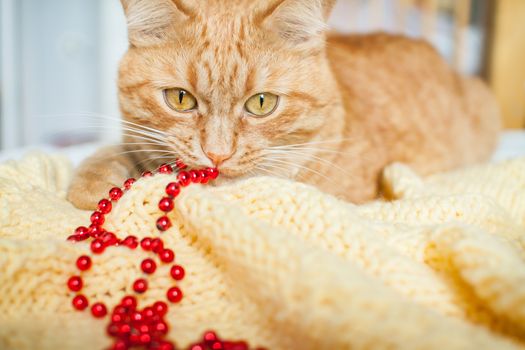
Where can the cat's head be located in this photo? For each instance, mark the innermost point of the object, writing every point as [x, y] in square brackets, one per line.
[226, 80]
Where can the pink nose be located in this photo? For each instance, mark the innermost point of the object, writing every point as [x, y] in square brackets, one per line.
[218, 159]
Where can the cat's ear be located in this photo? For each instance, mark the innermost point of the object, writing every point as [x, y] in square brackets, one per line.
[152, 22]
[300, 22]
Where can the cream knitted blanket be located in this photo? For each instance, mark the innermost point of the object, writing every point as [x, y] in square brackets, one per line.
[279, 263]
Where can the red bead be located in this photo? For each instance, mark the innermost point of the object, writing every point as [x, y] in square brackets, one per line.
[80, 302]
[134, 339]
[105, 206]
[197, 347]
[194, 176]
[184, 178]
[177, 272]
[95, 231]
[166, 204]
[113, 329]
[84, 263]
[160, 308]
[166, 346]
[174, 294]
[148, 313]
[117, 318]
[129, 302]
[120, 310]
[148, 266]
[217, 346]
[144, 328]
[213, 173]
[128, 183]
[124, 329]
[157, 245]
[82, 232]
[137, 317]
[210, 337]
[147, 174]
[145, 338]
[115, 193]
[73, 238]
[167, 255]
[145, 243]
[163, 223]
[173, 189]
[109, 239]
[78, 238]
[161, 327]
[131, 242]
[204, 176]
[235, 345]
[75, 284]
[97, 246]
[99, 310]
[140, 285]
[180, 164]
[97, 218]
[165, 169]
[120, 345]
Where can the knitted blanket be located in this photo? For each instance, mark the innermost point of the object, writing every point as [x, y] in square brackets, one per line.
[278, 263]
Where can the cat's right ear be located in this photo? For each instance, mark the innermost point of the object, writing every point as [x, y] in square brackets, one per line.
[153, 22]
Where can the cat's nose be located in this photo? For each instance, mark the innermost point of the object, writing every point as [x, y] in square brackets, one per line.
[218, 159]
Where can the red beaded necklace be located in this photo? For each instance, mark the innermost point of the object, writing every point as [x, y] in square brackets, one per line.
[129, 326]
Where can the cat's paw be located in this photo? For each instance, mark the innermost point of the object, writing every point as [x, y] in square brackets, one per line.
[86, 195]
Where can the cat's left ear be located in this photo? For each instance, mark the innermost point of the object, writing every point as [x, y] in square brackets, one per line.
[299, 22]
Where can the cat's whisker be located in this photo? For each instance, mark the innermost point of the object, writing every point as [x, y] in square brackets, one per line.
[127, 125]
[284, 162]
[313, 149]
[96, 116]
[144, 133]
[159, 143]
[112, 155]
[311, 143]
[309, 156]
[139, 144]
[356, 153]
[167, 155]
[139, 151]
[269, 172]
[126, 131]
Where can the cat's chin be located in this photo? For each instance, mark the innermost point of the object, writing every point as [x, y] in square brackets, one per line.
[232, 174]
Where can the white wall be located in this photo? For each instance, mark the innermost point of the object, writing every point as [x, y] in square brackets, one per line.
[59, 60]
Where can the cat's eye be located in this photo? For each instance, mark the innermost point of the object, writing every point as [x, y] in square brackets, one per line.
[262, 105]
[180, 100]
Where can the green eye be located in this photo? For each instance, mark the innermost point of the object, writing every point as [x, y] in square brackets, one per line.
[180, 100]
[262, 104]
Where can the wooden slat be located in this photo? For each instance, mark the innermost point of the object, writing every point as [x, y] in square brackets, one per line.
[507, 68]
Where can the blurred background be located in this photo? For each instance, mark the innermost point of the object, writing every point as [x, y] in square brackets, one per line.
[59, 58]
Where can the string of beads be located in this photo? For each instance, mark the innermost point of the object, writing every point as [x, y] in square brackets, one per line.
[129, 326]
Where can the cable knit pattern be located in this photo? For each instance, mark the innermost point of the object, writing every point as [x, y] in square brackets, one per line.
[442, 266]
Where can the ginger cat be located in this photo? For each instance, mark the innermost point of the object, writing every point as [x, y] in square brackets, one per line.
[256, 87]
